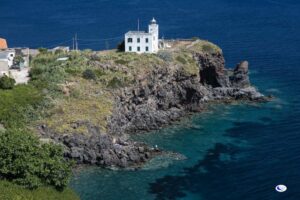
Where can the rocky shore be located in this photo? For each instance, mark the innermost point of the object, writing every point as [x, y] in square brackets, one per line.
[157, 99]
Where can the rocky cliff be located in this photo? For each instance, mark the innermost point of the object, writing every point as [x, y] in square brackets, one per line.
[186, 78]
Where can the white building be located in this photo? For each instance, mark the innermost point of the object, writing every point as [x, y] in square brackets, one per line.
[6, 60]
[141, 41]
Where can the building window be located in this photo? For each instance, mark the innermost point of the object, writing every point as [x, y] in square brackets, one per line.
[138, 40]
[129, 40]
[147, 40]
[147, 48]
[11, 55]
[130, 48]
[138, 48]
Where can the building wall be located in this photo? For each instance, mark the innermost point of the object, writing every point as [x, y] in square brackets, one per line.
[142, 44]
[154, 30]
[3, 67]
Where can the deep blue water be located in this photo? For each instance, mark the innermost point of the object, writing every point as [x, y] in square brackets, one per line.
[234, 151]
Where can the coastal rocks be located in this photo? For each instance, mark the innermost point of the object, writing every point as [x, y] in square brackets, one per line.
[212, 69]
[165, 96]
[240, 76]
[102, 149]
[159, 97]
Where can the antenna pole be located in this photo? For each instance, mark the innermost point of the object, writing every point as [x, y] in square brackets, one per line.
[138, 24]
[76, 42]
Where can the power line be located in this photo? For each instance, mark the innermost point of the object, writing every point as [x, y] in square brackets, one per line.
[93, 40]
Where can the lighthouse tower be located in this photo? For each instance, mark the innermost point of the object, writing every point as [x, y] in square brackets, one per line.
[154, 31]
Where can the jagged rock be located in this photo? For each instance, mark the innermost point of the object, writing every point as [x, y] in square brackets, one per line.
[158, 98]
[240, 76]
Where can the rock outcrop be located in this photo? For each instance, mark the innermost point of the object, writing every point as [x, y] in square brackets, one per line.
[158, 98]
[168, 97]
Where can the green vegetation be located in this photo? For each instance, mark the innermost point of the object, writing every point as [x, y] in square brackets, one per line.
[17, 106]
[7, 82]
[26, 162]
[67, 97]
[10, 191]
[18, 60]
[181, 59]
[89, 74]
[205, 46]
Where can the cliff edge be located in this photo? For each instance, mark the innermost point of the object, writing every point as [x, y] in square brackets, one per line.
[129, 93]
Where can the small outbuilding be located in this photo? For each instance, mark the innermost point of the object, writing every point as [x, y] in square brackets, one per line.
[3, 44]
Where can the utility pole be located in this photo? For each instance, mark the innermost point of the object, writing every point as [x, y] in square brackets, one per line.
[76, 42]
[73, 40]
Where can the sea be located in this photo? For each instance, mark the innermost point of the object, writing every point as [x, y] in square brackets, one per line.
[234, 152]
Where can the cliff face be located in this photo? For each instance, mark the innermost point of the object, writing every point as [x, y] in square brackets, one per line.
[169, 86]
[163, 97]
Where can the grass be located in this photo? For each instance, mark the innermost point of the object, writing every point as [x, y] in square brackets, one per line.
[77, 100]
[87, 102]
[205, 46]
[10, 191]
[17, 105]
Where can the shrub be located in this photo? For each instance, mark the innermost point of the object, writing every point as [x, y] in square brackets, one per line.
[165, 56]
[43, 50]
[115, 82]
[17, 105]
[59, 51]
[18, 60]
[121, 46]
[195, 38]
[181, 59]
[89, 74]
[7, 82]
[121, 62]
[208, 48]
[27, 162]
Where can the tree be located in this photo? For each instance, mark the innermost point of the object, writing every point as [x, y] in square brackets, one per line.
[7, 82]
[89, 74]
[121, 46]
[18, 60]
[27, 162]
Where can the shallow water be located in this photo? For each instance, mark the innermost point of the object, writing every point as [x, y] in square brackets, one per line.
[234, 151]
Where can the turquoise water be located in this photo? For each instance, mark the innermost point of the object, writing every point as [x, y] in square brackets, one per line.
[210, 134]
[235, 152]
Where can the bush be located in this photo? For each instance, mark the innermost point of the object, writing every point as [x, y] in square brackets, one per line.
[208, 48]
[165, 56]
[115, 82]
[27, 162]
[181, 59]
[89, 74]
[17, 105]
[7, 82]
[195, 38]
[121, 62]
[121, 46]
[43, 50]
[18, 60]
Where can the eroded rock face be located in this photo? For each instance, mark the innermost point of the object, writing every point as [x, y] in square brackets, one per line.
[102, 149]
[158, 99]
[166, 96]
[240, 78]
[212, 69]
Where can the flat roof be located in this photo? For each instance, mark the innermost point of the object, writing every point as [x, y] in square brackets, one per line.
[137, 33]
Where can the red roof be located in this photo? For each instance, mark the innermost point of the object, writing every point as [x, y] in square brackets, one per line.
[3, 43]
